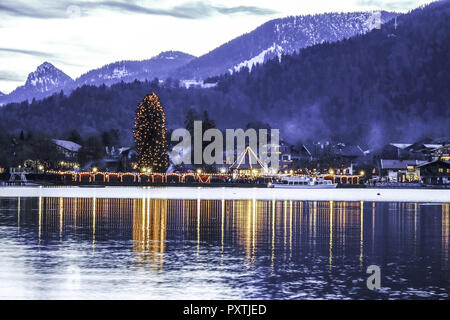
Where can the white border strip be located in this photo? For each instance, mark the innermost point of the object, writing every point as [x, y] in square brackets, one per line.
[385, 195]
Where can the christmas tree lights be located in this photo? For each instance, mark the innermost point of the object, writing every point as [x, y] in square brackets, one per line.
[150, 135]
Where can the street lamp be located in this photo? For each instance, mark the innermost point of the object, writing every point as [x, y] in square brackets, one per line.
[94, 169]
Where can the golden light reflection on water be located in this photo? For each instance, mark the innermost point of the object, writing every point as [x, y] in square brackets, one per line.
[18, 214]
[331, 235]
[361, 218]
[276, 229]
[445, 236]
[149, 231]
[40, 220]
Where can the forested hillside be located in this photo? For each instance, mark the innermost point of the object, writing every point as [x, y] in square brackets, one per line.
[390, 84]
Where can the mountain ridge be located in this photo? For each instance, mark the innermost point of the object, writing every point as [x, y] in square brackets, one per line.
[44, 81]
[130, 70]
[47, 79]
[272, 39]
[383, 86]
[281, 36]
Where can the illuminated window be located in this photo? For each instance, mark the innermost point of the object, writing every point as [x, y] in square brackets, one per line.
[441, 170]
[448, 170]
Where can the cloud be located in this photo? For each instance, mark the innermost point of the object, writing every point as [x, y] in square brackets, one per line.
[11, 76]
[18, 9]
[388, 5]
[247, 10]
[28, 52]
[65, 9]
[194, 10]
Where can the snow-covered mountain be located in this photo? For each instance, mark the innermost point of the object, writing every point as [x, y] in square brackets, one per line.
[157, 67]
[281, 36]
[44, 81]
[272, 39]
[47, 79]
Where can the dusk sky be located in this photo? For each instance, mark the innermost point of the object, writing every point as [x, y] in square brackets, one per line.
[77, 36]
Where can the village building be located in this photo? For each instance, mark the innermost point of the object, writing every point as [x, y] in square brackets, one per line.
[68, 148]
[426, 150]
[319, 149]
[120, 159]
[349, 152]
[400, 170]
[442, 153]
[396, 151]
[435, 172]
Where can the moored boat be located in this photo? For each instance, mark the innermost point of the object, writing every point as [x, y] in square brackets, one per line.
[304, 183]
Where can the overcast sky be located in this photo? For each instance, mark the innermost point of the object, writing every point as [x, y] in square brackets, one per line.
[77, 36]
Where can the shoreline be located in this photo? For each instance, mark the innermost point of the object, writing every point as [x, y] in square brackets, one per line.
[226, 193]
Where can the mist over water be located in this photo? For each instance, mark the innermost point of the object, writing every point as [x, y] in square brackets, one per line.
[223, 249]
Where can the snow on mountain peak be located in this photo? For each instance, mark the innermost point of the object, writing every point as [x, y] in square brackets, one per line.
[47, 78]
[281, 36]
[260, 58]
[129, 70]
[46, 66]
[171, 55]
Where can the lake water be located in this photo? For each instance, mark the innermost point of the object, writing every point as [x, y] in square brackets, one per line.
[92, 248]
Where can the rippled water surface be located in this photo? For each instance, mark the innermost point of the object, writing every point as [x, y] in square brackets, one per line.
[201, 249]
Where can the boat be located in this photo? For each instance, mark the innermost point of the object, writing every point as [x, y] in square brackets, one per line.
[303, 183]
[19, 184]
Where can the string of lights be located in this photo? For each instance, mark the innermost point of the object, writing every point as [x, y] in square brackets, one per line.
[150, 135]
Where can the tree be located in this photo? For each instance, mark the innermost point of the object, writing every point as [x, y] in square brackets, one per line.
[150, 134]
[110, 138]
[75, 136]
[92, 150]
[191, 116]
[207, 122]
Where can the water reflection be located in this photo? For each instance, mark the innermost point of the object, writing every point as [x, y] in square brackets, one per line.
[252, 226]
[149, 231]
[445, 236]
[272, 239]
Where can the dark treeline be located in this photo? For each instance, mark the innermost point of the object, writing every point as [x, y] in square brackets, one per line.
[37, 148]
[390, 84]
[91, 110]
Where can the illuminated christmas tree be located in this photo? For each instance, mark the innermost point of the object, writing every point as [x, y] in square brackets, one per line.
[150, 135]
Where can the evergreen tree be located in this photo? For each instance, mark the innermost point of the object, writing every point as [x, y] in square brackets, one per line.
[207, 122]
[75, 136]
[191, 116]
[150, 134]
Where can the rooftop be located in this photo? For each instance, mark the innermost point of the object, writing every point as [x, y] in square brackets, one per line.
[399, 164]
[68, 145]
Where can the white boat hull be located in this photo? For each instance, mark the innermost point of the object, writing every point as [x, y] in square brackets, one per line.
[318, 186]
